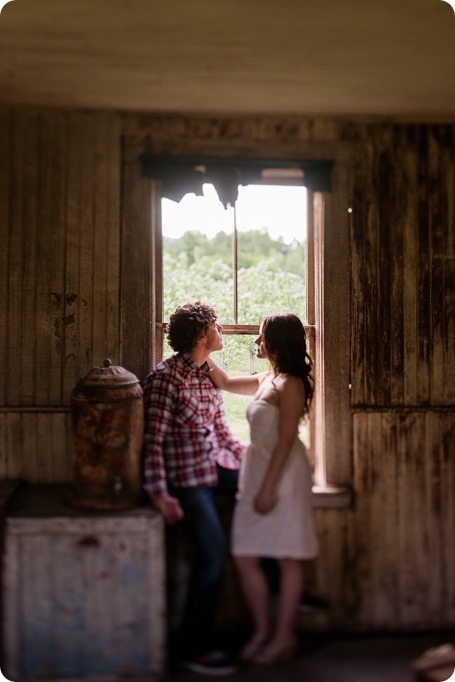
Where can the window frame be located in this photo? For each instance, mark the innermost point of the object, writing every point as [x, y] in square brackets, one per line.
[329, 336]
[235, 328]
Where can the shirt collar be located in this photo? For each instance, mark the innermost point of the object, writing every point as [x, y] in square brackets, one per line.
[190, 366]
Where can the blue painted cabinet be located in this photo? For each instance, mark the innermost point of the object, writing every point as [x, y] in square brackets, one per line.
[83, 594]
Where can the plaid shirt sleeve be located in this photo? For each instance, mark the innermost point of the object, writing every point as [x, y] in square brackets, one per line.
[158, 404]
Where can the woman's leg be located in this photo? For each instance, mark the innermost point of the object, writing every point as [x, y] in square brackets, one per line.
[284, 638]
[255, 588]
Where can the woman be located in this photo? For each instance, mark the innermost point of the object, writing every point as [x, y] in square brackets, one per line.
[272, 517]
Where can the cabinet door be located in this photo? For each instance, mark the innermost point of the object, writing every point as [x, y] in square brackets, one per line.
[84, 597]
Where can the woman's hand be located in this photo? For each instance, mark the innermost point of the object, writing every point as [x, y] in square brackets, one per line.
[264, 501]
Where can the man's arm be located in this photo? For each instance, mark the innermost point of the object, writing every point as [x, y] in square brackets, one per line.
[158, 403]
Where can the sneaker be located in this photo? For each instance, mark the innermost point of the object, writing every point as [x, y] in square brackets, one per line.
[212, 663]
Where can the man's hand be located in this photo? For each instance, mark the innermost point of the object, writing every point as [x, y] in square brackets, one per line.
[169, 507]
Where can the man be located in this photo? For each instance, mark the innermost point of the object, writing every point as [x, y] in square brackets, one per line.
[189, 455]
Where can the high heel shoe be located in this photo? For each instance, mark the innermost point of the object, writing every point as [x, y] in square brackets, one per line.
[272, 657]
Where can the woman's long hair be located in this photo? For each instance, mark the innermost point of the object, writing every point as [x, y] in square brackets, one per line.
[284, 338]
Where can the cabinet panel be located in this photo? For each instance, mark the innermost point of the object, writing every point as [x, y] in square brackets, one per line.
[84, 595]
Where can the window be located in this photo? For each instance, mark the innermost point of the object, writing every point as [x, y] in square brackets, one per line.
[327, 285]
[247, 260]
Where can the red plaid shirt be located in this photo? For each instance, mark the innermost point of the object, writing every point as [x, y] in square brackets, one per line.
[186, 433]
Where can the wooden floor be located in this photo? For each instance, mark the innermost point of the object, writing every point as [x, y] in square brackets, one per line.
[324, 658]
[341, 659]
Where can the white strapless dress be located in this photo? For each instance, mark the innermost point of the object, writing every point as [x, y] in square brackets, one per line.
[287, 531]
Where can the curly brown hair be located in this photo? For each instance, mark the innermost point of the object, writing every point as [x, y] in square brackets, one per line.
[284, 339]
[188, 324]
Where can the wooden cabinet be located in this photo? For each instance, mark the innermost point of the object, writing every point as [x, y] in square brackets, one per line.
[83, 593]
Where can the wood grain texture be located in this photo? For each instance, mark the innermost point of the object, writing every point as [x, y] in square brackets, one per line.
[78, 284]
[75, 597]
[402, 274]
[61, 257]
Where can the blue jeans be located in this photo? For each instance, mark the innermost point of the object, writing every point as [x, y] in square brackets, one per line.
[204, 529]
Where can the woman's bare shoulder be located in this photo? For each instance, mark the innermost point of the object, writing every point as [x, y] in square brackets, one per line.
[291, 384]
[262, 377]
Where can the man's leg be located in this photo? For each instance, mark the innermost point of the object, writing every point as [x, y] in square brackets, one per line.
[204, 529]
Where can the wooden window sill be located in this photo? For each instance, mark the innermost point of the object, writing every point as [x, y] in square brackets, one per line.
[331, 497]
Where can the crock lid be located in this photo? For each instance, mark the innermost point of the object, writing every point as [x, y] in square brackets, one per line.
[108, 376]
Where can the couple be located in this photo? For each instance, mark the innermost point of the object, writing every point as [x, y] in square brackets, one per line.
[190, 455]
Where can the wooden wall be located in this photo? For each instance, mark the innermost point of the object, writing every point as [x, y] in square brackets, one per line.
[71, 295]
[60, 255]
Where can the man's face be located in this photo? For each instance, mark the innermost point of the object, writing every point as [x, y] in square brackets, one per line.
[214, 338]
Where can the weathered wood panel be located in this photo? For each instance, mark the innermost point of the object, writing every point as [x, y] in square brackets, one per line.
[36, 446]
[404, 514]
[61, 181]
[75, 594]
[77, 285]
[136, 266]
[403, 256]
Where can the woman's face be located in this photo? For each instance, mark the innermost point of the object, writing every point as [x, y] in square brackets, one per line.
[260, 352]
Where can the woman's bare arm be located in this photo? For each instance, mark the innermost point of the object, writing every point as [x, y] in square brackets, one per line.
[244, 385]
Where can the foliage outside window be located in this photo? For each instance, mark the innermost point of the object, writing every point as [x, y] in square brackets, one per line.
[265, 274]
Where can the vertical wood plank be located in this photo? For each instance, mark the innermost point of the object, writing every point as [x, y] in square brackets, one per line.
[15, 258]
[129, 637]
[384, 200]
[436, 142]
[74, 302]
[336, 323]
[424, 328]
[5, 251]
[448, 303]
[397, 227]
[136, 250]
[373, 380]
[43, 446]
[101, 236]
[50, 260]
[113, 182]
[410, 250]
[68, 630]
[387, 599]
[30, 200]
[155, 580]
[86, 243]
[3, 446]
[359, 286]
[97, 613]
[433, 520]
[14, 444]
[60, 448]
[11, 607]
[157, 340]
[29, 447]
[412, 558]
[446, 447]
[363, 485]
[37, 603]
